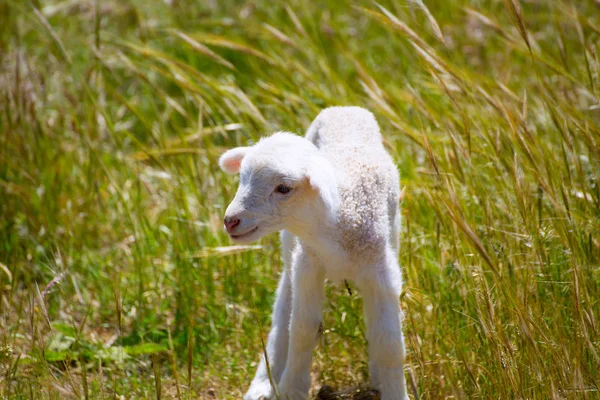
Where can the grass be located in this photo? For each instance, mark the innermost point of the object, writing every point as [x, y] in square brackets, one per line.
[115, 276]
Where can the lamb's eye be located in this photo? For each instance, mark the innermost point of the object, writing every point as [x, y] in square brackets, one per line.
[283, 189]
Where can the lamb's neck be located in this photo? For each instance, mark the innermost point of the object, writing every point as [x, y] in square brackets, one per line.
[317, 231]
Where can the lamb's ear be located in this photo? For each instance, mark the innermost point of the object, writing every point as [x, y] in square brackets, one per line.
[231, 160]
[322, 179]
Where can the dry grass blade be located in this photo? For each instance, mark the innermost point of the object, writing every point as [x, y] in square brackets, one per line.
[395, 22]
[453, 210]
[251, 108]
[220, 41]
[224, 250]
[515, 12]
[295, 20]
[155, 154]
[55, 281]
[6, 271]
[434, 25]
[157, 375]
[204, 132]
[473, 238]
[426, 52]
[377, 97]
[200, 48]
[282, 37]
[430, 153]
[489, 22]
[42, 305]
[53, 34]
[180, 73]
[173, 360]
[409, 131]
[51, 10]
[432, 60]
[581, 37]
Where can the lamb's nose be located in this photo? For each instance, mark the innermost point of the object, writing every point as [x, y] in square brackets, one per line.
[231, 223]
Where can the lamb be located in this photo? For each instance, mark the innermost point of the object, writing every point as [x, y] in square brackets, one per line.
[334, 196]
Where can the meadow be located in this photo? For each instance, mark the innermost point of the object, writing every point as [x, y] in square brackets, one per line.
[117, 280]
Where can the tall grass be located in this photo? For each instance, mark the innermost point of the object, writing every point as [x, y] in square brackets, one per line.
[117, 280]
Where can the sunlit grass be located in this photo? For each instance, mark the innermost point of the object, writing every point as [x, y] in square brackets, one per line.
[116, 277]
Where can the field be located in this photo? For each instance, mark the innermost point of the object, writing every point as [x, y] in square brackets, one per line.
[117, 280]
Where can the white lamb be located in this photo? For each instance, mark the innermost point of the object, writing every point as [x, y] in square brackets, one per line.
[334, 197]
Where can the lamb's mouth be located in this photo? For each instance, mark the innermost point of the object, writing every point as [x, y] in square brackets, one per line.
[243, 235]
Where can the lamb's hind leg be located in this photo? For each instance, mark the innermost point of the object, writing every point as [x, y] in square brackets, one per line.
[278, 341]
[381, 292]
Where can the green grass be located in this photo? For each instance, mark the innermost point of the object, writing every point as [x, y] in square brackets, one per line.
[113, 114]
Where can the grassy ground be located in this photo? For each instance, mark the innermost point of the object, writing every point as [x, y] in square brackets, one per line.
[114, 279]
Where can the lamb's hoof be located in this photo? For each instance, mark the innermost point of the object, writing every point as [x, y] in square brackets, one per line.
[354, 393]
[260, 391]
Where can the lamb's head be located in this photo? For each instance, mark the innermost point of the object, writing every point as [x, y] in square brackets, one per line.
[285, 183]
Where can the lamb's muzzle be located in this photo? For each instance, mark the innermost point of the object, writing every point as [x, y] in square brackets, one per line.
[334, 196]
[231, 223]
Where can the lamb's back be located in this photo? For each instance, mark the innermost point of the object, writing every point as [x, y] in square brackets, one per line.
[350, 139]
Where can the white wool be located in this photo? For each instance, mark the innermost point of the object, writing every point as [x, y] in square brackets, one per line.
[339, 220]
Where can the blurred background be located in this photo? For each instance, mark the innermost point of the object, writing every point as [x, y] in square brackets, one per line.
[117, 280]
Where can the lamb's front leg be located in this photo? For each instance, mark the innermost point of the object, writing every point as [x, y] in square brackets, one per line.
[277, 343]
[307, 302]
[384, 328]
